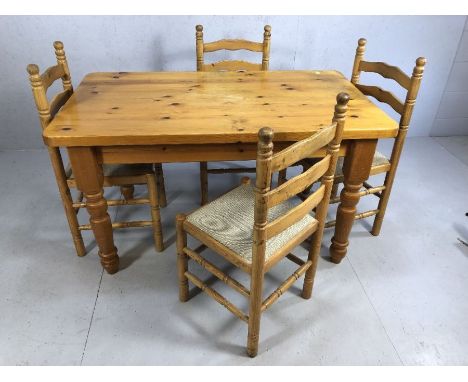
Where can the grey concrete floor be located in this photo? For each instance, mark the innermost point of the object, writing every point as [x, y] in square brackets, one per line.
[400, 298]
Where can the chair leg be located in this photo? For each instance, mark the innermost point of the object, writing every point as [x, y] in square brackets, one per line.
[334, 192]
[155, 214]
[161, 186]
[127, 191]
[204, 182]
[385, 196]
[67, 200]
[182, 260]
[309, 277]
[255, 312]
[282, 176]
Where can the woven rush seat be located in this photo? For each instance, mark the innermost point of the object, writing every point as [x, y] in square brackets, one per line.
[230, 220]
[379, 160]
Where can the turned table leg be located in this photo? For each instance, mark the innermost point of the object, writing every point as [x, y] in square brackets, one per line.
[89, 179]
[356, 170]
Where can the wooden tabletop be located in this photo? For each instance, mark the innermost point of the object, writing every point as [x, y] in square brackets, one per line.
[112, 109]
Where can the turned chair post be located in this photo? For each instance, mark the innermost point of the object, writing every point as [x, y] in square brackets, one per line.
[182, 259]
[266, 47]
[62, 61]
[39, 94]
[199, 47]
[262, 186]
[361, 48]
[342, 100]
[399, 142]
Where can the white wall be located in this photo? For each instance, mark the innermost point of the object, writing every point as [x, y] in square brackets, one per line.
[136, 43]
[452, 116]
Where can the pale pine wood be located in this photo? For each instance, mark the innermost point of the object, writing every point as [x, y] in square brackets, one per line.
[58, 101]
[161, 184]
[231, 65]
[405, 110]
[51, 75]
[210, 267]
[219, 109]
[188, 153]
[278, 292]
[387, 71]
[233, 44]
[299, 183]
[296, 152]
[155, 214]
[361, 215]
[262, 186]
[216, 246]
[361, 48]
[341, 108]
[295, 214]
[356, 169]
[288, 247]
[262, 229]
[182, 266]
[382, 96]
[399, 142]
[47, 111]
[91, 185]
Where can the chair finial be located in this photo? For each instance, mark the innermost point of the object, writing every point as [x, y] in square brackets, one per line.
[267, 28]
[265, 135]
[421, 61]
[58, 45]
[342, 98]
[32, 69]
[199, 28]
[362, 42]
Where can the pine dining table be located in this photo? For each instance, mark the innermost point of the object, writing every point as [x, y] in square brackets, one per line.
[167, 117]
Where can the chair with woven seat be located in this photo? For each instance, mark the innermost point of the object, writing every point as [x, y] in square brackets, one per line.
[125, 176]
[380, 164]
[228, 65]
[254, 228]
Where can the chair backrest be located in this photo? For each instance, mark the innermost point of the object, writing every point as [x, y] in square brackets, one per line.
[268, 163]
[410, 84]
[228, 44]
[41, 82]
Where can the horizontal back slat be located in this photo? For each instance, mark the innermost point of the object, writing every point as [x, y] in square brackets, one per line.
[234, 65]
[387, 71]
[58, 101]
[382, 96]
[298, 183]
[52, 74]
[302, 149]
[233, 45]
[295, 214]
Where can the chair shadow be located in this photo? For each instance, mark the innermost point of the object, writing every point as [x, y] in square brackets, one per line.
[172, 196]
[134, 253]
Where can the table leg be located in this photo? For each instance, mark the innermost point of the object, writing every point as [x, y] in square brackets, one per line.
[356, 170]
[89, 178]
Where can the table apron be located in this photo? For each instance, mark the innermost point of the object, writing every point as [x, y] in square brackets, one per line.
[188, 152]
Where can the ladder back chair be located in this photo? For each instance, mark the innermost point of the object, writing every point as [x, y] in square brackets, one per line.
[255, 227]
[125, 176]
[380, 163]
[230, 65]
